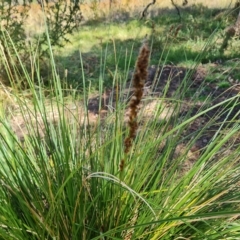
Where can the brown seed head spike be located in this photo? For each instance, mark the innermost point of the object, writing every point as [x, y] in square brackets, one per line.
[139, 79]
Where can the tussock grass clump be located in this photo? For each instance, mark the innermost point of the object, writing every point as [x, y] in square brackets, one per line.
[67, 185]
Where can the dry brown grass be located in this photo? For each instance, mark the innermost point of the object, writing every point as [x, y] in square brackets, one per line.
[104, 8]
[34, 25]
[73, 112]
[210, 4]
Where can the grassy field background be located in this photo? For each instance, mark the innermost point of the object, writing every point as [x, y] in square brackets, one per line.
[119, 33]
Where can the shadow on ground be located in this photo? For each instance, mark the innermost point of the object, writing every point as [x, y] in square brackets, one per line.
[171, 83]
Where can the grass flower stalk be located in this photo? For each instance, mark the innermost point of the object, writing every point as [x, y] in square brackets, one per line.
[139, 78]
